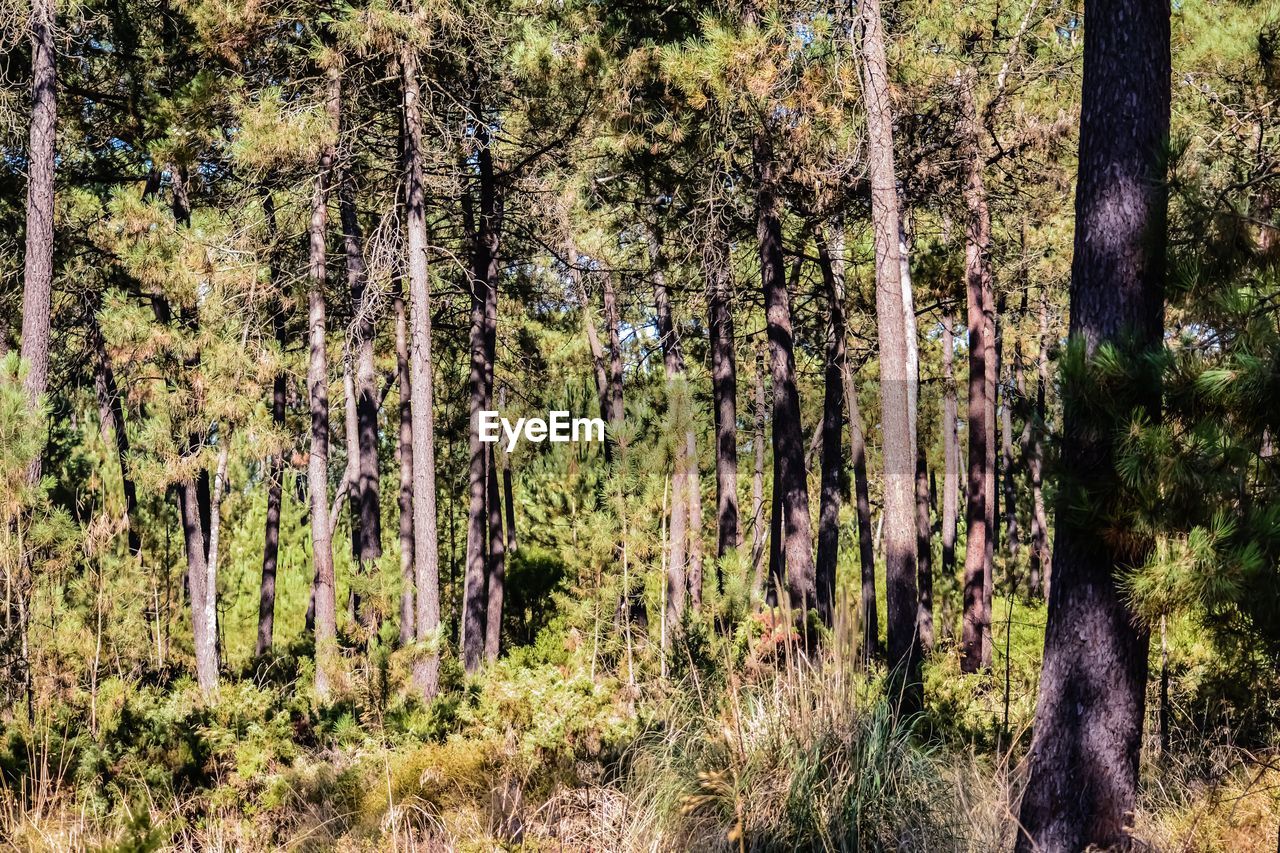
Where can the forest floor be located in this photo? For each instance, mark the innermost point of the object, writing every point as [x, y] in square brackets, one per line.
[745, 744]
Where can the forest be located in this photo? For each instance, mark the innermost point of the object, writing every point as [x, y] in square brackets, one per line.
[937, 350]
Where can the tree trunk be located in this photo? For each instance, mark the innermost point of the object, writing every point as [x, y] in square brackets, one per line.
[1040, 564]
[426, 667]
[483, 343]
[111, 414]
[1083, 763]
[757, 477]
[979, 517]
[924, 554]
[832, 424]
[318, 393]
[678, 403]
[37, 269]
[724, 392]
[275, 476]
[897, 383]
[862, 505]
[611, 321]
[792, 489]
[365, 474]
[497, 562]
[950, 447]
[405, 498]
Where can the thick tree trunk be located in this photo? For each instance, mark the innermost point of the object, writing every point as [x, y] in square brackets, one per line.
[897, 383]
[405, 499]
[832, 425]
[483, 342]
[678, 402]
[326, 619]
[792, 489]
[1083, 763]
[979, 517]
[203, 633]
[426, 553]
[37, 269]
[862, 506]
[724, 392]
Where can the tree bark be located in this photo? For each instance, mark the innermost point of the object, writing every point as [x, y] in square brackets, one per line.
[1083, 762]
[724, 392]
[367, 533]
[950, 446]
[792, 490]
[497, 562]
[1040, 563]
[326, 620]
[111, 414]
[37, 270]
[758, 532]
[832, 425]
[897, 383]
[979, 517]
[611, 320]
[481, 560]
[408, 627]
[275, 470]
[862, 506]
[426, 553]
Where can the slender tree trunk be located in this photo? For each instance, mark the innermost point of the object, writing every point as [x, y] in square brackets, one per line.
[426, 553]
[484, 317]
[405, 499]
[862, 506]
[678, 403]
[788, 443]
[694, 502]
[1083, 763]
[497, 563]
[599, 368]
[37, 269]
[197, 580]
[924, 554]
[832, 425]
[508, 488]
[611, 320]
[979, 517]
[724, 392]
[1040, 563]
[365, 474]
[897, 383]
[275, 482]
[757, 477]
[326, 620]
[950, 446]
[111, 414]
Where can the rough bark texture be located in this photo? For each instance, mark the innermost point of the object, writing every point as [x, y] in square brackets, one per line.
[897, 382]
[1040, 562]
[326, 620]
[979, 515]
[426, 552]
[724, 392]
[758, 532]
[924, 554]
[37, 270]
[1083, 762]
[832, 424]
[792, 490]
[483, 344]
